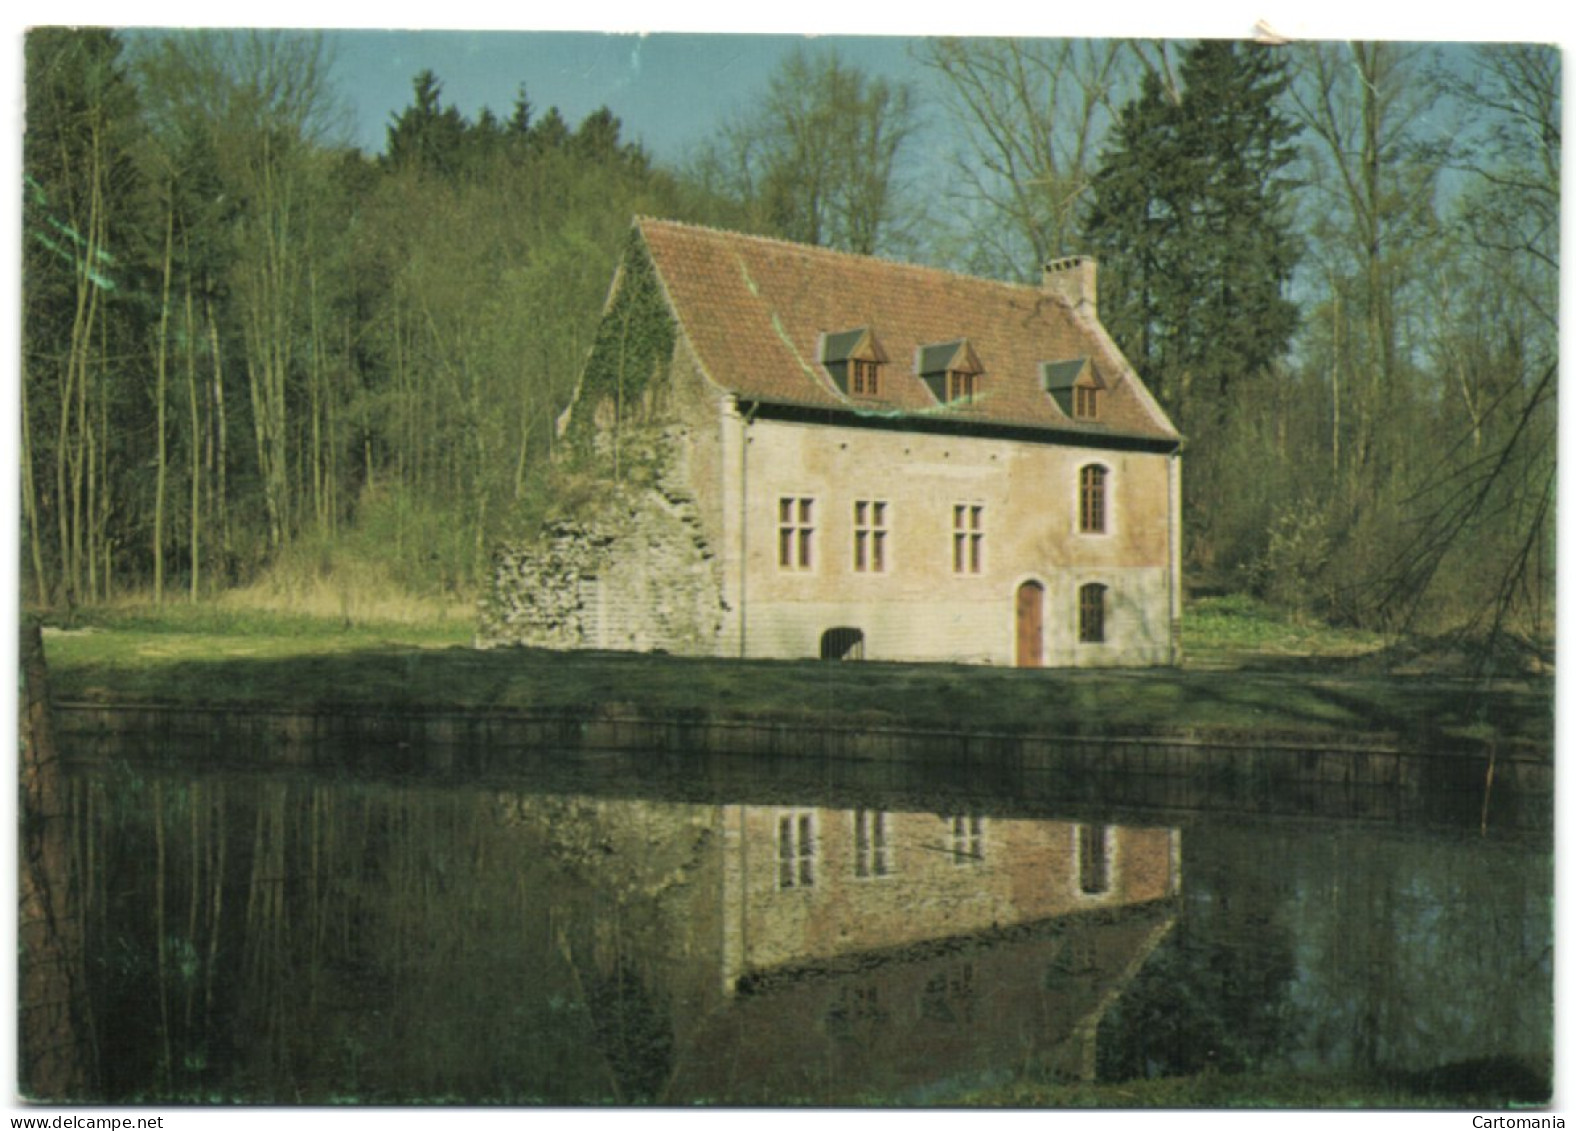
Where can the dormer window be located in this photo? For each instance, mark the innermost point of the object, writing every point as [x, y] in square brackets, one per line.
[1075, 386]
[953, 371]
[854, 359]
[962, 386]
[866, 379]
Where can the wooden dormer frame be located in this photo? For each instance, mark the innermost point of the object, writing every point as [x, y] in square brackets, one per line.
[854, 360]
[1076, 387]
[952, 370]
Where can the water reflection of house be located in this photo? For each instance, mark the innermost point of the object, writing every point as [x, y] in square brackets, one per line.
[864, 949]
[763, 954]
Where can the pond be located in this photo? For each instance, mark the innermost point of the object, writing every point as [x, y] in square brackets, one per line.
[608, 929]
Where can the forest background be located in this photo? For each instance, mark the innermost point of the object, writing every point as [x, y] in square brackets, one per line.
[259, 360]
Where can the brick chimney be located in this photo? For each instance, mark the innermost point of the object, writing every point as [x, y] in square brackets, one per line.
[1074, 279]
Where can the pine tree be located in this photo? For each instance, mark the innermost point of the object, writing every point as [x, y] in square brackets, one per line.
[426, 134]
[1191, 217]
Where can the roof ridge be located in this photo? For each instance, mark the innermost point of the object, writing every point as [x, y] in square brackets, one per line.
[836, 253]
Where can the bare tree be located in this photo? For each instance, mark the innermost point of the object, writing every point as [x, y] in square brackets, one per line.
[1035, 113]
[815, 159]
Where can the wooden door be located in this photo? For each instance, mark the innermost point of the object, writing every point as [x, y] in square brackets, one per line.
[1031, 625]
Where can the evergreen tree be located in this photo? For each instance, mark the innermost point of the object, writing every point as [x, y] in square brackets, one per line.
[1191, 215]
[426, 134]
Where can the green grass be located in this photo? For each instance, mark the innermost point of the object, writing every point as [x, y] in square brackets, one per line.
[1231, 631]
[292, 632]
[224, 658]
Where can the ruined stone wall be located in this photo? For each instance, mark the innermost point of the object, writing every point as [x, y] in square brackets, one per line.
[636, 572]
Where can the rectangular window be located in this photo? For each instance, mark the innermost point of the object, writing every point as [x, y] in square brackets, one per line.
[1091, 614]
[872, 848]
[1094, 859]
[796, 850]
[968, 538]
[968, 838]
[870, 531]
[1086, 402]
[795, 532]
[866, 380]
[962, 386]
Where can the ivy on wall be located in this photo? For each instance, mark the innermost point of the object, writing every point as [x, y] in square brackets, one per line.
[629, 360]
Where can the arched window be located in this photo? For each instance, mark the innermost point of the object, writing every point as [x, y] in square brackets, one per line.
[1091, 614]
[1091, 499]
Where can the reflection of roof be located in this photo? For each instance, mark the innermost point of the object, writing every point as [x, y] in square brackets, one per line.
[1106, 921]
[757, 312]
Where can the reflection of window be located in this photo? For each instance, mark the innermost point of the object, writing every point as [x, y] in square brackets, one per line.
[1091, 614]
[870, 521]
[1091, 499]
[796, 850]
[968, 838]
[1074, 956]
[949, 996]
[855, 1007]
[1094, 859]
[968, 538]
[872, 852]
[795, 528]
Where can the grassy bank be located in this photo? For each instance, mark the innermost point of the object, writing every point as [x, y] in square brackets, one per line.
[214, 656]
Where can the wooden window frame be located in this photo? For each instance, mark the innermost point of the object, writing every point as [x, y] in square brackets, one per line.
[1092, 612]
[968, 539]
[1094, 481]
[962, 386]
[870, 535]
[1086, 402]
[796, 850]
[795, 532]
[967, 836]
[864, 377]
[1096, 848]
[872, 844]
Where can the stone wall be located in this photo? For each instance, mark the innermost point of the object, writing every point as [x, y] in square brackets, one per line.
[636, 573]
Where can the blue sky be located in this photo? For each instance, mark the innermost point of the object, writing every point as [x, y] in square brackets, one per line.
[670, 90]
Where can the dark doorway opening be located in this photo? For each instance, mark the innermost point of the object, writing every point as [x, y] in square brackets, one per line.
[843, 644]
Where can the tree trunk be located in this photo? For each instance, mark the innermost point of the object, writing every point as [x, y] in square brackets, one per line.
[193, 400]
[51, 996]
[161, 386]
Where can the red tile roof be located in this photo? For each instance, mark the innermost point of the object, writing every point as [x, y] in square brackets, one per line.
[756, 311]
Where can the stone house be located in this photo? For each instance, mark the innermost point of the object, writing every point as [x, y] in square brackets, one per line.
[806, 453]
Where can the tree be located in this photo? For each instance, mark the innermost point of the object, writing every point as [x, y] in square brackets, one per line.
[426, 134]
[1191, 215]
[1480, 548]
[1190, 209]
[816, 158]
[1034, 112]
[81, 187]
[1364, 106]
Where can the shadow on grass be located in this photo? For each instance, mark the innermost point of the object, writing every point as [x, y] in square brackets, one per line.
[1269, 700]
